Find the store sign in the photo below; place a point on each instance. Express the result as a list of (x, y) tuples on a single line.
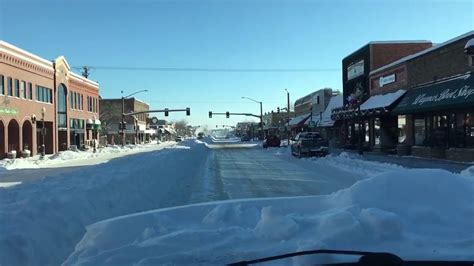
[(8, 111), (464, 92), (386, 80), (355, 70)]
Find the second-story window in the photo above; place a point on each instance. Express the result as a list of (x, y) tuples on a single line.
[(23, 89), (2, 88), (17, 88), (30, 91), (10, 86), (44, 94)]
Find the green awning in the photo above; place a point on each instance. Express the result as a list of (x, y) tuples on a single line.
[(457, 93)]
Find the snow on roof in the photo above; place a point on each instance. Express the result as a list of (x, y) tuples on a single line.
[(24, 55), (334, 102), (296, 120), (86, 80), (379, 101), (433, 48)]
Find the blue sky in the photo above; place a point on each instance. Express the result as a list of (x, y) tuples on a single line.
[(221, 34)]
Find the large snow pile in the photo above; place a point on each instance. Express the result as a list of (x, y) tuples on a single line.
[(468, 172), (355, 163), (416, 214), (75, 158), (41, 222)]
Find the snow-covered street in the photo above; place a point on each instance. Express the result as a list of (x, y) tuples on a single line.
[(44, 218)]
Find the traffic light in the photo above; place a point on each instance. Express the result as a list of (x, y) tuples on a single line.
[(227, 114), (188, 111), (210, 114), (167, 112), (278, 109), (123, 125)]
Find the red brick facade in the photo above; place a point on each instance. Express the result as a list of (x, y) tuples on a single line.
[(385, 53), (21, 107)]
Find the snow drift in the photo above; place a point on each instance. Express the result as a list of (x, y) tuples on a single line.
[(416, 214)]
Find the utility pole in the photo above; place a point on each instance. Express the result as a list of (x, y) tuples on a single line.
[(261, 121), (123, 120), (85, 71), (288, 110)]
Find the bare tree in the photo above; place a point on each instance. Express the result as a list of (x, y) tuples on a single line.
[(181, 127)]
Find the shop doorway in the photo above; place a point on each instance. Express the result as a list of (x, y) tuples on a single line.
[(2, 140), (14, 136), (27, 137)]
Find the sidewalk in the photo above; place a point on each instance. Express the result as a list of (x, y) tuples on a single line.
[(410, 161)]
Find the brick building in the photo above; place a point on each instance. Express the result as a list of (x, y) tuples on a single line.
[(275, 123), (136, 126), (308, 109), (355, 79), (36, 93), (432, 119)]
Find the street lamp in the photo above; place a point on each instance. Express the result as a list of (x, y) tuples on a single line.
[(123, 112), (288, 111), (43, 147), (95, 134), (261, 114)]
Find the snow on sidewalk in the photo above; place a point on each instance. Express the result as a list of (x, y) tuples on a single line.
[(80, 158), (414, 213)]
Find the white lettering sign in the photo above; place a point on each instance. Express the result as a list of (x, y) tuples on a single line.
[(464, 92), (386, 80), (355, 70)]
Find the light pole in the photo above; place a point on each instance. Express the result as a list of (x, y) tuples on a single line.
[(288, 111), (43, 147), (261, 114), (123, 113)]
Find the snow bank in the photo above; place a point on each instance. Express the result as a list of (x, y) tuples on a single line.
[(76, 158), (414, 213), (468, 172), (354, 163), (41, 222)]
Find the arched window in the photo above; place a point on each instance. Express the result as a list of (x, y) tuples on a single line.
[(62, 106)]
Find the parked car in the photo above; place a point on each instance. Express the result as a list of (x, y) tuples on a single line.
[(178, 139), (245, 138), (271, 141), (309, 144)]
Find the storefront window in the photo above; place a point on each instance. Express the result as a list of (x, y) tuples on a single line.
[(367, 131), (470, 130), (439, 133), (377, 131), (457, 130), (402, 129), (420, 130)]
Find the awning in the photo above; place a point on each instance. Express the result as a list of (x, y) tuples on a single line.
[(456, 93), (334, 102), (315, 120), (381, 101), (299, 120)]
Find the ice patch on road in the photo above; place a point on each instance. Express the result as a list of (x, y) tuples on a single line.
[(414, 213), (8, 184)]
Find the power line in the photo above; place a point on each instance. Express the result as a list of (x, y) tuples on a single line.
[(192, 69)]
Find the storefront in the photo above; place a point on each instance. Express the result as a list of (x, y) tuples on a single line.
[(297, 124), (437, 120), (379, 127)]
